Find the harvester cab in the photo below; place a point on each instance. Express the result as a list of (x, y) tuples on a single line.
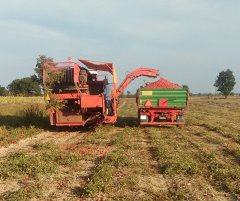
[(80, 95)]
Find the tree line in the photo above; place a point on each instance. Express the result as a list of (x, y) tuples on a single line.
[(32, 85), (27, 86)]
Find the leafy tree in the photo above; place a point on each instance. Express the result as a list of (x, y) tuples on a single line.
[(34, 78), (27, 86), (225, 82), (38, 69), (3, 91)]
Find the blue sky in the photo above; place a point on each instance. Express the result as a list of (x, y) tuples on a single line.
[(189, 41)]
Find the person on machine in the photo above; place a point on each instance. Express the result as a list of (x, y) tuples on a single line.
[(108, 97)]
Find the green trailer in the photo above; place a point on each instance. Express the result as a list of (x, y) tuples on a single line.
[(162, 106)]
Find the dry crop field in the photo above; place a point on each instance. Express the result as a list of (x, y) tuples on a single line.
[(198, 161)]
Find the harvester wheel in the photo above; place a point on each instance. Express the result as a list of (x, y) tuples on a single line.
[(180, 119)]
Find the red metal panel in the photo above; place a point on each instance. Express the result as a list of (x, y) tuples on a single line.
[(65, 119), (92, 101), (163, 102), (66, 96)]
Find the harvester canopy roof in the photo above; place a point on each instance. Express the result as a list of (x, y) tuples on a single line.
[(102, 66), (98, 65)]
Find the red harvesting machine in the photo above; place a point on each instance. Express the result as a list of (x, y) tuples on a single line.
[(80, 95)]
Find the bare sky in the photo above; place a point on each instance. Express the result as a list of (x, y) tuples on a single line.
[(189, 41)]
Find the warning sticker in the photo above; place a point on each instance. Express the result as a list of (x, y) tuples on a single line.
[(146, 93)]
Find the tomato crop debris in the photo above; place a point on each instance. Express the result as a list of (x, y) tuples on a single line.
[(94, 150)]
